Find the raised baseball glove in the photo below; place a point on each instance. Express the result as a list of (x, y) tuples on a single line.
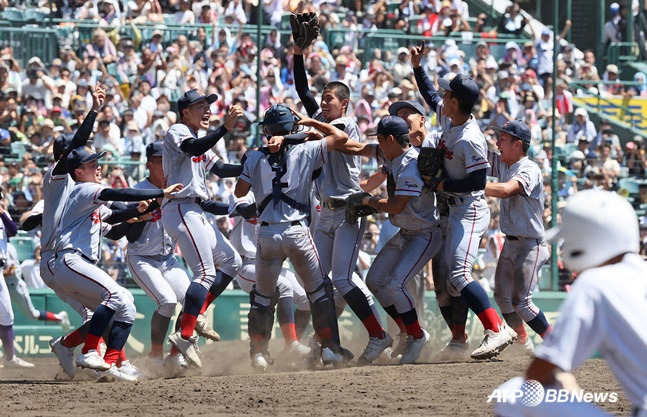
[(431, 166), (355, 208), (305, 29)]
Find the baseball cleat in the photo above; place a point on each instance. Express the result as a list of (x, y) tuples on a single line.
[(374, 349), (65, 321), (297, 349), (314, 358), (155, 367), (204, 329), (413, 348), (65, 356), (494, 342), (176, 366), (455, 350), (259, 362), (400, 342), (91, 360), (518, 349), (131, 370), (329, 357), (16, 363), (187, 347), (113, 373)]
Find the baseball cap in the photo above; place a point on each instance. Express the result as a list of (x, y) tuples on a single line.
[(402, 50), (278, 119), (612, 68), (192, 97), (391, 125), (516, 128), (546, 32), (154, 149), (4, 134), (580, 111), (614, 8), (407, 104), (481, 43), (80, 156), (463, 88)]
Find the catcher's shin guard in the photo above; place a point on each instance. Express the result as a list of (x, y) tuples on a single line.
[(324, 319), (260, 320)]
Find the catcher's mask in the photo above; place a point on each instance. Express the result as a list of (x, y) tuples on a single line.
[(279, 120)]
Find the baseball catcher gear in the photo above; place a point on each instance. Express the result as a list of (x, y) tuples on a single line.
[(431, 167), (355, 208), (305, 29)]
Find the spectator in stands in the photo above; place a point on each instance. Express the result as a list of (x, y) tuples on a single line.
[(456, 23), (640, 90), (101, 48), (581, 126), (611, 75), (185, 16), (611, 27), (635, 157), (512, 22)]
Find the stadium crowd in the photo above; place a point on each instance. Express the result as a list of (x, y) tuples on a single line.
[(143, 78)]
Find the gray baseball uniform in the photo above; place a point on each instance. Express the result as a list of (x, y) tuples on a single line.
[(56, 189), (153, 266), (417, 241), (78, 249), (6, 312), (524, 251), (183, 219), (243, 237)]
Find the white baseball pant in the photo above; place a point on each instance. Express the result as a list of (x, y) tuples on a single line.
[(202, 247), (47, 275), (468, 220), (20, 295), (91, 286), (404, 255), (162, 279), (287, 284), (6, 313)]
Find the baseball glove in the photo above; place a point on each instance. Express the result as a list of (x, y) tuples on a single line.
[(431, 167), (305, 29), (355, 208)]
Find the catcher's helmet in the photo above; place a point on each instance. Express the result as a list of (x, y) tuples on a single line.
[(279, 120), (596, 227)]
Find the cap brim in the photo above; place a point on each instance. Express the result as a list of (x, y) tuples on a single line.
[(94, 157), (553, 234), (395, 107), (444, 84)]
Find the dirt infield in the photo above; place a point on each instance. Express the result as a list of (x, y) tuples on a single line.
[(227, 386)]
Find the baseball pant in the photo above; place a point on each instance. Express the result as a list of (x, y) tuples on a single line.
[(20, 296), (202, 247), (514, 407), (516, 276), (467, 223), (404, 255), (287, 284), (47, 275), (440, 269), (6, 313), (163, 280), (91, 286), (338, 244)]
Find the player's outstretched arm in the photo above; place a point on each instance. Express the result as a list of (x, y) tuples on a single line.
[(503, 189), (393, 205), (335, 138), (196, 147), (132, 194), (84, 131), (32, 222), (352, 147), (10, 227), (425, 85), (475, 181), (301, 83), (242, 188), (375, 180), (118, 231), (217, 208), (226, 170)]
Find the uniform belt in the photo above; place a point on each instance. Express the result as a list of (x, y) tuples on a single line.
[(76, 252), (246, 258), (336, 203), (512, 237), (453, 201), (198, 200), (294, 223)]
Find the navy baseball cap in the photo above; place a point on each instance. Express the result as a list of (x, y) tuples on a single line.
[(80, 156), (154, 149), (192, 97), (61, 143), (463, 88), (392, 125), (278, 119), (406, 104), (516, 128)]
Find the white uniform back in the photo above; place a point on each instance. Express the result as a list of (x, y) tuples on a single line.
[(180, 167), (4, 240), (521, 214), (153, 241), (56, 189), (465, 149), (340, 174), (300, 161), (605, 311), (82, 226), (244, 234), (421, 212)]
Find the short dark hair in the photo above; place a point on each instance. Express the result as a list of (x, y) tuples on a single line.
[(525, 146), (465, 108), (338, 88), (403, 139)]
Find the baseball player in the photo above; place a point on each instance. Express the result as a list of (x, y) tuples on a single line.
[(243, 237), (602, 313), (282, 191), (57, 185), (414, 114), (338, 242), (465, 163), (77, 246), (413, 210), (6, 313), (186, 159), (521, 190)]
